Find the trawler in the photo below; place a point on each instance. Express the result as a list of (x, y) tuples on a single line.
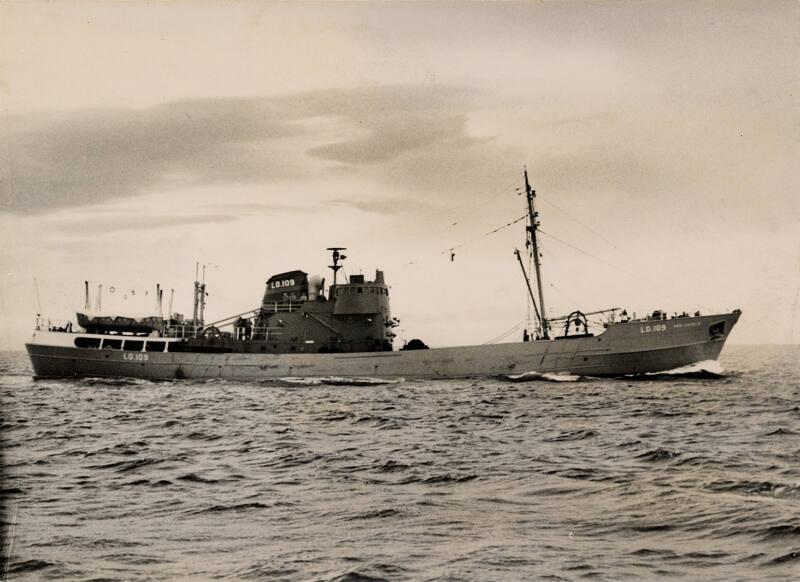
[(303, 329)]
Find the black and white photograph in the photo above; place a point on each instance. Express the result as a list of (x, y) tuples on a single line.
[(399, 291)]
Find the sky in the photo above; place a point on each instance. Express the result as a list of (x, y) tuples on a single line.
[(138, 139)]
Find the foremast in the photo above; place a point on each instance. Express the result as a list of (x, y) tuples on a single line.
[(532, 244)]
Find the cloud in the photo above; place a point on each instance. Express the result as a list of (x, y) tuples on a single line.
[(394, 137), (99, 225), (383, 205), (79, 158)]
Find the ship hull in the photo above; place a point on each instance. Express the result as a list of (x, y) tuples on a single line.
[(622, 349)]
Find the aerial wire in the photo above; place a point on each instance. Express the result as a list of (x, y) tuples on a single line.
[(38, 299)]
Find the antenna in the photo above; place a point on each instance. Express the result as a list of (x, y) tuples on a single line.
[(336, 258)]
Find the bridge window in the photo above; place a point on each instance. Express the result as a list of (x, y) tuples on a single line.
[(112, 344), (360, 290), (134, 345), (155, 346), (87, 342)]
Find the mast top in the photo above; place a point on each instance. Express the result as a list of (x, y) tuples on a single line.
[(336, 256)]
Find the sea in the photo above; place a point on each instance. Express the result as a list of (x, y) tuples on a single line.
[(693, 474)]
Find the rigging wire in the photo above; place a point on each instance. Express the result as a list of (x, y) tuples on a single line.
[(504, 335), (478, 204), (639, 276), (587, 253), (561, 293), (491, 232), (583, 224)]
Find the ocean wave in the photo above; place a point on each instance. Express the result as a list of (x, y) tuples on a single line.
[(29, 566), (658, 455), (755, 488), (391, 467), (705, 370), (781, 432), (113, 382), (375, 514), (446, 478), (123, 466), (235, 507), (290, 381), (357, 577), (267, 572), (194, 478), (781, 532), (381, 422), (342, 381), (572, 435), (785, 558)]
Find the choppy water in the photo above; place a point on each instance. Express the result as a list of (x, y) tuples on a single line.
[(693, 476)]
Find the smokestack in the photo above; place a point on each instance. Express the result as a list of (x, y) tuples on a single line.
[(171, 296), (98, 306), (158, 298), (86, 304), (314, 287)]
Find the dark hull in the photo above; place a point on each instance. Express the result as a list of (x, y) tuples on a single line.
[(629, 348)]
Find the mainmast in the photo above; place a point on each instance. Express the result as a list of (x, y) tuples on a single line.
[(533, 248)]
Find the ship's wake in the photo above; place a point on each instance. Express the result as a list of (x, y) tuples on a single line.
[(331, 381), (542, 377), (705, 370)]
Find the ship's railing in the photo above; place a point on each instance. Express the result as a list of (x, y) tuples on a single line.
[(276, 307), (240, 333), (662, 316), (189, 330), (50, 325), (262, 332)]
